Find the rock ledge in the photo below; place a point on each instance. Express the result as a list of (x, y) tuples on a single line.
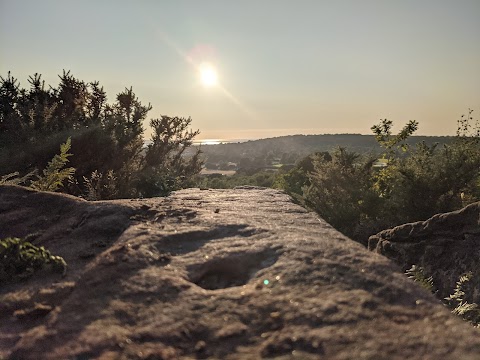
[(218, 274)]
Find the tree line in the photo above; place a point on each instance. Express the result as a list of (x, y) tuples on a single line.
[(105, 141)]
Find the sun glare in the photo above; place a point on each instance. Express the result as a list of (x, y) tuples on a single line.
[(208, 75)]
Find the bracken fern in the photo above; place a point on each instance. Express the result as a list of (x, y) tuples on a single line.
[(55, 173), (417, 274), (456, 302), (461, 307)]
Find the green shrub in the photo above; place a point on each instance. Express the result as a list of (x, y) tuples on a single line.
[(341, 191), (19, 259)]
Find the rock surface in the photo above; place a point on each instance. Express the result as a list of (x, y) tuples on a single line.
[(446, 246), (220, 274)]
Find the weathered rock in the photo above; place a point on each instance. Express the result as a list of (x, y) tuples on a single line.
[(220, 274), (446, 246)]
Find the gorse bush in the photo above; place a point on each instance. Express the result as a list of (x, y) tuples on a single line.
[(165, 166), (426, 180), (19, 259), (297, 179), (341, 191), (106, 140)]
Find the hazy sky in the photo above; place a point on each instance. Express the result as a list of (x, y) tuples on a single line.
[(285, 67)]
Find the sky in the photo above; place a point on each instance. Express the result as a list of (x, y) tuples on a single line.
[(283, 67)]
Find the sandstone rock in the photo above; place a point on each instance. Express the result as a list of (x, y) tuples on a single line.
[(173, 278), (446, 246)]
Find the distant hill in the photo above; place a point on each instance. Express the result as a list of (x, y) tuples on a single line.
[(296, 146)]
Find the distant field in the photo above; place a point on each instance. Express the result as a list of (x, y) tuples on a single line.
[(222, 172)]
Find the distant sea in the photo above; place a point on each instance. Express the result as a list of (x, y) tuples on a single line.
[(210, 141), (218, 141)]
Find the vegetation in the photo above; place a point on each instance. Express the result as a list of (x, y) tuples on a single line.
[(15, 179), (165, 166), (458, 301), (105, 140), (55, 173), (219, 181), (287, 150), (417, 274), (53, 177), (360, 198), (19, 259)]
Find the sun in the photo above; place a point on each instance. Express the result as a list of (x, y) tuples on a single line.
[(208, 75)]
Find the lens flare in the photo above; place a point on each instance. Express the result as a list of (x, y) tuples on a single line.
[(189, 58)]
